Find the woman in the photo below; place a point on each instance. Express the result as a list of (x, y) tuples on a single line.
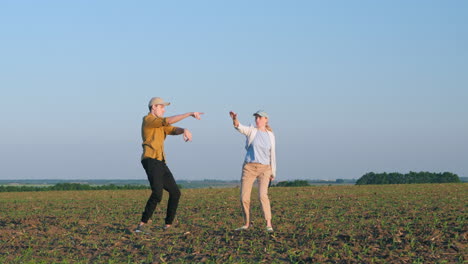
[(259, 163)]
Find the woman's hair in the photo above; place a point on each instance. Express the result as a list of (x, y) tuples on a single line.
[(267, 126)]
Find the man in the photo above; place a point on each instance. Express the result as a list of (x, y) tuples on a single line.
[(154, 130)]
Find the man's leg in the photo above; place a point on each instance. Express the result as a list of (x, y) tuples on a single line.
[(174, 195), (155, 172)]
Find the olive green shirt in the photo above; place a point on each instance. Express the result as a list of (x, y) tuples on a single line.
[(153, 132)]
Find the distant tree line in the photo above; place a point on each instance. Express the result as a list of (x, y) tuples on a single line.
[(411, 177), (296, 183), (71, 187)]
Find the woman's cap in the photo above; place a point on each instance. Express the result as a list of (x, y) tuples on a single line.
[(156, 101), (261, 113)]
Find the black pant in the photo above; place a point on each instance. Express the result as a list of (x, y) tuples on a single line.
[(160, 177)]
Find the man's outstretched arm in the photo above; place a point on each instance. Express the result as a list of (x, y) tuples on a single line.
[(177, 118)]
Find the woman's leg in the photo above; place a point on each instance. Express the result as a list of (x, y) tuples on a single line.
[(248, 178), (263, 182)]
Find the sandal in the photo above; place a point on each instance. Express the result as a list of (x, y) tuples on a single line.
[(241, 228)]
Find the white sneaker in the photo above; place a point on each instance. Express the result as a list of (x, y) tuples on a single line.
[(142, 229)]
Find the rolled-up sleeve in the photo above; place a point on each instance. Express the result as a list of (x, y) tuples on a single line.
[(170, 130)]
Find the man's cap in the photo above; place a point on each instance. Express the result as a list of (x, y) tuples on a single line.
[(261, 113), (156, 101)]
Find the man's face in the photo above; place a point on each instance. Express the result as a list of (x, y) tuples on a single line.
[(160, 110)]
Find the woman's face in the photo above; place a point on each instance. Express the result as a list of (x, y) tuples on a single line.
[(260, 121)]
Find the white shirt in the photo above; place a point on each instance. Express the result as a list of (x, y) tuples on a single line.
[(259, 150), (250, 133)]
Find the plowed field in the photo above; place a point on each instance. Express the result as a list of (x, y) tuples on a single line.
[(327, 224)]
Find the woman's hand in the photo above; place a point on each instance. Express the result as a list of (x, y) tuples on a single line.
[(235, 122), (233, 115), (187, 135)]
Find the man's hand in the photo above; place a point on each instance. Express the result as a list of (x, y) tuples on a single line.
[(187, 135), (197, 115)]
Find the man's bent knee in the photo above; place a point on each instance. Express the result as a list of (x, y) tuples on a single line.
[(156, 197), (175, 194)]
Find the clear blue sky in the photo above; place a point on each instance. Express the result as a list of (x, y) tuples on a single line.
[(351, 86)]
